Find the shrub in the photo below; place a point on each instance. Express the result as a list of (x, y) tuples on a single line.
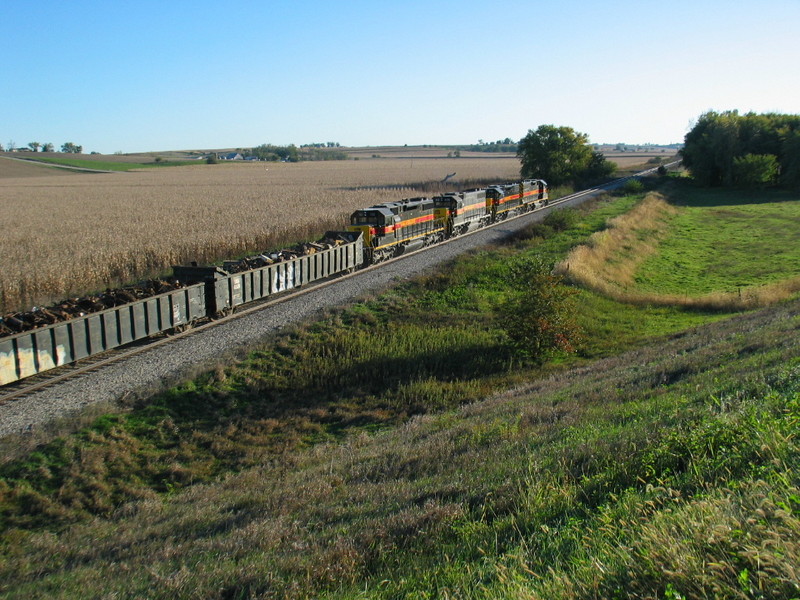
[(561, 220), (538, 318), (631, 187)]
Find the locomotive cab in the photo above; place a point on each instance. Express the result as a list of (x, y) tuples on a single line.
[(371, 222), (445, 209)]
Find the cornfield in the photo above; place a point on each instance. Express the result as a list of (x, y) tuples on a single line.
[(73, 234)]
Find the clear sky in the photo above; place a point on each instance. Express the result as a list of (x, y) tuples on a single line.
[(130, 76)]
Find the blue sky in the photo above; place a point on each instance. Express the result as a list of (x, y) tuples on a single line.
[(130, 76)]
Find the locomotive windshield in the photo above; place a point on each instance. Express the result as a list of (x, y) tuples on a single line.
[(364, 217)]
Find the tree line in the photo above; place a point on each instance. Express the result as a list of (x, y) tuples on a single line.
[(506, 145), (292, 153), (67, 147), (750, 150)]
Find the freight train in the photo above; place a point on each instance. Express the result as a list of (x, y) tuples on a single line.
[(375, 234)]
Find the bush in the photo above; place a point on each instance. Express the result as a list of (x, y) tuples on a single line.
[(561, 220), (631, 187), (539, 317)]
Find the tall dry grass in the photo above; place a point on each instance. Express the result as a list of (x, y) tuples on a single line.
[(609, 262), (78, 233)]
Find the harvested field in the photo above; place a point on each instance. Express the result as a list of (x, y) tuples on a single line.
[(78, 233), (625, 160)]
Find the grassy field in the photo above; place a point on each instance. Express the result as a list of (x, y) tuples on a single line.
[(113, 165), (721, 244), (696, 248), (399, 449)]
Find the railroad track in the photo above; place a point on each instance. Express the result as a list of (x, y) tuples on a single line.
[(30, 386)]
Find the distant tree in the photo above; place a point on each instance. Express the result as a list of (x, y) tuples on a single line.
[(48, 147), (559, 155), (70, 148), (539, 317), (12, 145), (1, 148), (34, 146)]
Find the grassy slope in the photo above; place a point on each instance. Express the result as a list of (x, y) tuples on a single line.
[(527, 492), (722, 242)]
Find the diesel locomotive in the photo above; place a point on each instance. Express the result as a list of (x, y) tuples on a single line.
[(392, 228)]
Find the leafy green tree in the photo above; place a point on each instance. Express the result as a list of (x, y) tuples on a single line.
[(34, 146), (48, 147), (274, 153), (598, 168), (559, 155), (755, 170), (538, 317)]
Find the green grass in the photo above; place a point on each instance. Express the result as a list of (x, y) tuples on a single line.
[(115, 166), (673, 468), (722, 241), (377, 453)]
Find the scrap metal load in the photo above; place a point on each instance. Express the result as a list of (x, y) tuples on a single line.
[(250, 279), (331, 240), (42, 339), (72, 308)]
